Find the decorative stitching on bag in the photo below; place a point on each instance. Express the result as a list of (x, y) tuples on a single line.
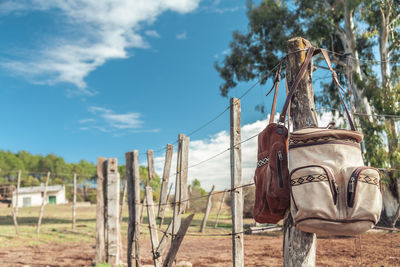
[(369, 180), (319, 139), (308, 179), (262, 162)]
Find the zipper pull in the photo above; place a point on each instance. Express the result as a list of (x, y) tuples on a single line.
[(279, 155), (351, 185), (336, 187)]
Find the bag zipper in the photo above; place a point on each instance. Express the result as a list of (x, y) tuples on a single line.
[(280, 169), (351, 187)]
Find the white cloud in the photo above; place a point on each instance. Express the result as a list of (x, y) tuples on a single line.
[(152, 33), (223, 53), (99, 30), (181, 36), (217, 170), (86, 120), (227, 9), (117, 121), (216, 7)]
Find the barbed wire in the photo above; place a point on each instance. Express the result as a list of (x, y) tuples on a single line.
[(247, 231), (362, 114), (358, 59), (199, 197), (269, 72)]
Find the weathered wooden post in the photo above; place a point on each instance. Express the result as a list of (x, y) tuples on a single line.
[(176, 242), (16, 202), (121, 209), (152, 226), (207, 211), (113, 191), (181, 181), (164, 183), (74, 206), (100, 211), (43, 203), (219, 210), (133, 180), (185, 172), (150, 164), (236, 182), (299, 248)]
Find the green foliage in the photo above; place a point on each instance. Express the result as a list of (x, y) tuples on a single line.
[(56, 181), (29, 181), (197, 187), (197, 193), (37, 165), (91, 196), (358, 26), (155, 182)]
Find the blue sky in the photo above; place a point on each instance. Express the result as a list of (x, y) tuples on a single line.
[(74, 85), (89, 78)]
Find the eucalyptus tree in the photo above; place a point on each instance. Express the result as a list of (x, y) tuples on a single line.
[(363, 39)]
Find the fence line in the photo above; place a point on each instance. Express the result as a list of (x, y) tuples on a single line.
[(362, 114), (248, 231), (200, 197)]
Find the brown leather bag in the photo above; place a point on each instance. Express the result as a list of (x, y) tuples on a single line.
[(272, 194)]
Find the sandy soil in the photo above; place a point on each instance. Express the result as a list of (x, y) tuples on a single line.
[(377, 250)]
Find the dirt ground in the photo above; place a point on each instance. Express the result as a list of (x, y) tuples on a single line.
[(379, 249)]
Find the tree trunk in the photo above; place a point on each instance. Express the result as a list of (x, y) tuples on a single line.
[(299, 248), (386, 86), (348, 39)]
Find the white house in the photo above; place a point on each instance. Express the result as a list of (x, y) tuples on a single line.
[(33, 196)]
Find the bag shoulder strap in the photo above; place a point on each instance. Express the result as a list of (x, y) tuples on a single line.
[(338, 86), (276, 86), (297, 80)]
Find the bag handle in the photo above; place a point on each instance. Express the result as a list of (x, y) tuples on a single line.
[(338, 86), (293, 88), (276, 86)]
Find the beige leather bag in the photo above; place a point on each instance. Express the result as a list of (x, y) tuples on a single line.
[(332, 191)]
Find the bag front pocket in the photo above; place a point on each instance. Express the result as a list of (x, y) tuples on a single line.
[(314, 193), (364, 197)]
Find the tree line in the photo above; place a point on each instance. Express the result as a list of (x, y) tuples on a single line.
[(35, 167)]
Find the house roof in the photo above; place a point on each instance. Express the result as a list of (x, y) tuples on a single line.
[(36, 189)]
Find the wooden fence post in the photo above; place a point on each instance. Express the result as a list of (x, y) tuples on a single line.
[(176, 218), (184, 172), (176, 242), (133, 182), (150, 164), (219, 210), (16, 202), (208, 209), (164, 183), (113, 191), (74, 206), (152, 226), (43, 203), (299, 248), (121, 210), (162, 245), (100, 212), (236, 182)]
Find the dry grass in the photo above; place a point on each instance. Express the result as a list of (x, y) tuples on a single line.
[(57, 225)]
